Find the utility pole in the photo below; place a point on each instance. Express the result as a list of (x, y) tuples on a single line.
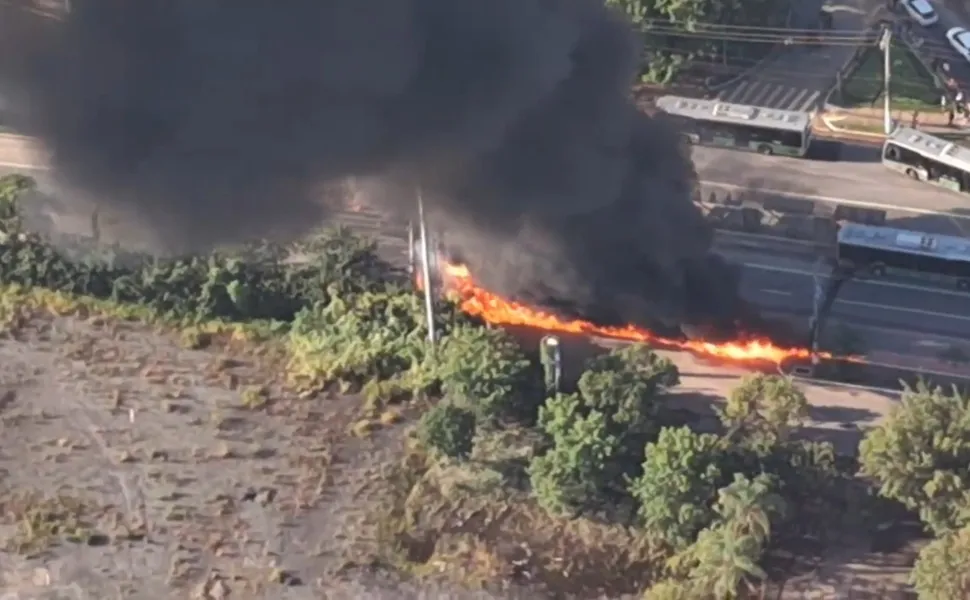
[(426, 269), (412, 251), (885, 44)]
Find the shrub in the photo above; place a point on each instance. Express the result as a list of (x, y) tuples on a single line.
[(449, 429), (573, 473), (486, 369)]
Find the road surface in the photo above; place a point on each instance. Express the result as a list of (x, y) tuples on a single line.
[(786, 284), (816, 186), (800, 77), (936, 45)]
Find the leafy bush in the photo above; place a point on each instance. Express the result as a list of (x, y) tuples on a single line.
[(942, 570), (486, 369), (764, 409), (449, 429), (723, 562), (254, 283), (626, 386), (682, 472), (572, 474), (920, 456), (369, 336)]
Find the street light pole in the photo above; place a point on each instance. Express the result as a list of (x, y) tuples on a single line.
[(426, 269), (885, 45)]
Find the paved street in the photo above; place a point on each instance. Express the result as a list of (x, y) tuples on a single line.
[(798, 79), (820, 186), (787, 285), (801, 75)]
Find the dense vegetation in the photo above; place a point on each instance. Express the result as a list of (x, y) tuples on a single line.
[(622, 491)]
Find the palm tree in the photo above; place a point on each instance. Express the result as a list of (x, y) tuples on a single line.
[(749, 505), (726, 555)]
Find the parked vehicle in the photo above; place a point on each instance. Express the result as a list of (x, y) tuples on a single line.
[(921, 11), (959, 38)]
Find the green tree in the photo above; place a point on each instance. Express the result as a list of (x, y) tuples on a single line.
[(725, 558), (764, 409), (682, 472), (449, 429), (942, 570), (626, 385), (920, 456), (486, 369), (572, 474)]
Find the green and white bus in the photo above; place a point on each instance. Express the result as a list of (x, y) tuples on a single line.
[(928, 158), (881, 251), (753, 128)]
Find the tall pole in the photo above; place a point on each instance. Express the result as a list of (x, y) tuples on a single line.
[(885, 44), (412, 254), (426, 269)]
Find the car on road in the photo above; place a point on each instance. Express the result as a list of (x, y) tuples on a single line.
[(921, 11), (960, 40)]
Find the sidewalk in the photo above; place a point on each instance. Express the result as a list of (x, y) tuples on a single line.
[(866, 125)]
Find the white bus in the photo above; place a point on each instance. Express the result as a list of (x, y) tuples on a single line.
[(764, 130), (883, 251), (928, 158)]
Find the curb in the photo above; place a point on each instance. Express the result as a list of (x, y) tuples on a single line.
[(827, 121), (824, 129)]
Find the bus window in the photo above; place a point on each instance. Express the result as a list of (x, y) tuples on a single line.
[(902, 155), (791, 139)]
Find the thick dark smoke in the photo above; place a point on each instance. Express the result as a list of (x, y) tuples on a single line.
[(215, 121)]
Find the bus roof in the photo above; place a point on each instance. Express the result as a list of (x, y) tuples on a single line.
[(741, 114), (901, 240), (942, 150)]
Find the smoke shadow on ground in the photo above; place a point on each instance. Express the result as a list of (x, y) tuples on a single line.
[(841, 415), (829, 150)]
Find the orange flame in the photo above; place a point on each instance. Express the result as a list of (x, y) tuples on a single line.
[(494, 309)]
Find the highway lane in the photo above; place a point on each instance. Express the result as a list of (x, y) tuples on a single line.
[(787, 286), (864, 183)]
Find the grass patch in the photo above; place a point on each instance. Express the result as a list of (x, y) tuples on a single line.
[(912, 86), (40, 523), (477, 524)]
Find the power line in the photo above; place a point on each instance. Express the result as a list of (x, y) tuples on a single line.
[(651, 24)]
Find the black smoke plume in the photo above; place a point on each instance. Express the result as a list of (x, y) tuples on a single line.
[(216, 121)]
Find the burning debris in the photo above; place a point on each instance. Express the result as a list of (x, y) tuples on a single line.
[(495, 309), (217, 121)]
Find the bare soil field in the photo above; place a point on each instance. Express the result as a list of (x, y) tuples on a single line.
[(133, 467)]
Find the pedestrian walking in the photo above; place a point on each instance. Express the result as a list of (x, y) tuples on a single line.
[(915, 122)]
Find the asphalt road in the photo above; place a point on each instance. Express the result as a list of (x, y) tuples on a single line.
[(787, 285), (936, 44), (799, 77), (817, 186)]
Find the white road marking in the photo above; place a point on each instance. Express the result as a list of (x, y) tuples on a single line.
[(834, 200), (906, 309), (878, 282), (873, 305)]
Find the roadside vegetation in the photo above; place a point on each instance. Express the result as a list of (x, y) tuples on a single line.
[(912, 86), (603, 485), (669, 54)]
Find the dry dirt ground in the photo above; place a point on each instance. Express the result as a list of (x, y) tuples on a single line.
[(131, 467)]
